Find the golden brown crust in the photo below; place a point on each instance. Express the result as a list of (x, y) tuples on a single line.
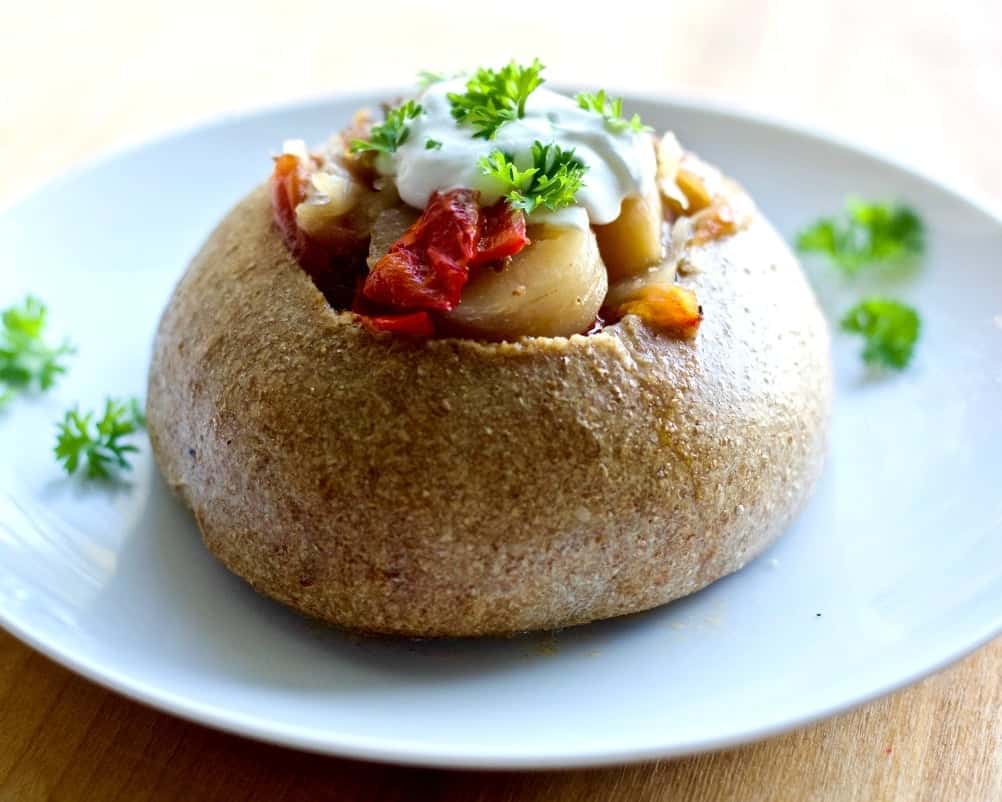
[(460, 488)]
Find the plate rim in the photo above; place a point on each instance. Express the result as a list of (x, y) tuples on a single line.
[(410, 752), (415, 753)]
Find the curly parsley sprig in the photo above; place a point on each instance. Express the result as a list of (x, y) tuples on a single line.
[(392, 132), (611, 110), (494, 97), (552, 182), (867, 233), (97, 446), (889, 328), (27, 361)]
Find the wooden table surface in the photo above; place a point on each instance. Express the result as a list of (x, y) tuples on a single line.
[(921, 79)]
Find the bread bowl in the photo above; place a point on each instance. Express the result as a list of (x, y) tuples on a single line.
[(504, 466)]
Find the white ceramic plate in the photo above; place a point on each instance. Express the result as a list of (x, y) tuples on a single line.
[(894, 570)]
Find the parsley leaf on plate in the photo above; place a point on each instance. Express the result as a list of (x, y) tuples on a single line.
[(889, 328), (391, 133), (26, 360), (611, 110), (494, 97), (428, 77), (96, 445), (867, 233), (552, 182)]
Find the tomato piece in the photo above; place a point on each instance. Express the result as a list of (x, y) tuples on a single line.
[(502, 234), (413, 324)]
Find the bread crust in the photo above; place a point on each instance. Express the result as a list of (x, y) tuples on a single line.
[(454, 488)]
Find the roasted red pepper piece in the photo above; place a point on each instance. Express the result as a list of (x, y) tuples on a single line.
[(427, 267), (413, 324), (502, 234), (286, 194), (669, 307)]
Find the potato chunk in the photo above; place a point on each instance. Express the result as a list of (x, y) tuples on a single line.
[(552, 288), (633, 241), (330, 197)]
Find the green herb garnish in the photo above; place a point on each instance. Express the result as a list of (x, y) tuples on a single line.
[(867, 233), (426, 78), (552, 182), (494, 97), (391, 133), (889, 328), (432, 144), (26, 360), (97, 447), (611, 110)]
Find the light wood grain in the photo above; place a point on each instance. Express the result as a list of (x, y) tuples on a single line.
[(921, 79)]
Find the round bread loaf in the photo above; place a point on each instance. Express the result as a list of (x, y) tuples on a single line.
[(451, 487)]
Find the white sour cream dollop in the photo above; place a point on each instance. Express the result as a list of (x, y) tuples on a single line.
[(619, 164)]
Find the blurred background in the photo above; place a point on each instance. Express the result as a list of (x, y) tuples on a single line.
[(918, 79)]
